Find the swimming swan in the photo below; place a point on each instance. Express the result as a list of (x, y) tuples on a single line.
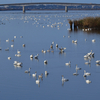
[(9, 58), (17, 63), (37, 81), (88, 81), (98, 61), (31, 56), (77, 68), (46, 73), (18, 51), (45, 61), (34, 75), (64, 79), (36, 56), (86, 73), (41, 76), (67, 64), (28, 71)]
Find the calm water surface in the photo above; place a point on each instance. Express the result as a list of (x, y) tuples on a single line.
[(39, 29)]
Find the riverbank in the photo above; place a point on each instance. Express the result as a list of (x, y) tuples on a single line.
[(88, 22)]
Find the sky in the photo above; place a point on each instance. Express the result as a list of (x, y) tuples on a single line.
[(67, 1)]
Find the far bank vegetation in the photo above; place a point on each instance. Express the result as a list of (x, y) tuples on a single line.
[(88, 22)]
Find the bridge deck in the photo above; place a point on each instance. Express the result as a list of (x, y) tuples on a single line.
[(44, 3)]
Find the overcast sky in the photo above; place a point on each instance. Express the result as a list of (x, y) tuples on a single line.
[(69, 1)]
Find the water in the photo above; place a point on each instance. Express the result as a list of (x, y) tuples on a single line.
[(15, 84)]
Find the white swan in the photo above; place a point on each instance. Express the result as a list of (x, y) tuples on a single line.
[(86, 73), (44, 51), (67, 64), (88, 81), (77, 68), (18, 51), (14, 36), (51, 46), (87, 63), (7, 40), (37, 81), (45, 61), (12, 45), (86, 56), (15, 63), (23, 45), (62, 49), (36, 56), (75, 41), (28, 71), (69, 36), (85, 39), (34, 75), (46, 73), (93, 40), (17, 55), (41, 76), (53, 42), (57, 45), (19, 63), (98, 61), (64, 79), (9, 58), (75, 73), (31, 56), (90, 54)]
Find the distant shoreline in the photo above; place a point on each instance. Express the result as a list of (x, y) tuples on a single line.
[(42, 9)]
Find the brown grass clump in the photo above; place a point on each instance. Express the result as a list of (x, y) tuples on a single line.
[(89, 22)]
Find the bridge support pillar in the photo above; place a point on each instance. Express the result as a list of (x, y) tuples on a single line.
[(66, 9), (23, 9)]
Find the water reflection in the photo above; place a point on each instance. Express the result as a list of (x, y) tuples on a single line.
[(31, 58), (91, 32), (97, 64)]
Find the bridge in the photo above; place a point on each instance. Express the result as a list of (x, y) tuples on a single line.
[(49, 3)]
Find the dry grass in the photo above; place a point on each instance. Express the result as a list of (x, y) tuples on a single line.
[(89, 22)]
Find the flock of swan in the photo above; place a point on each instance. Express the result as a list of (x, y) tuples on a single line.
[(62, 50), (87, 56), (20, 64)]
